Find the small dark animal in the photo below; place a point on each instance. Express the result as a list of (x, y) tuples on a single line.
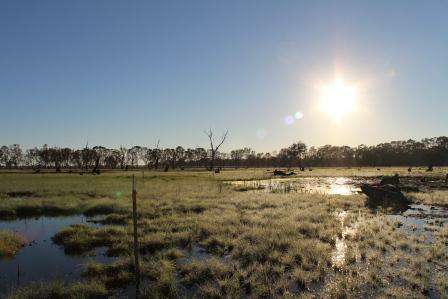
[(310, 169), (430, 168), (409, 169), (378, 169), (217, 170), (302, 168)]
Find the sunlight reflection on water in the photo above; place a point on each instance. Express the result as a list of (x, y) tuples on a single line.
[(319, 185)]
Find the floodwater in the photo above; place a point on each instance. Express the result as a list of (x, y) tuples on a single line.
[(418, 220), (316, 185), (41, 259)]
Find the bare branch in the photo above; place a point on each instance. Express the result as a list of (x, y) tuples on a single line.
[(223, 138), (210, 136)]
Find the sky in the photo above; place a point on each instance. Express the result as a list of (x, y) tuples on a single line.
[(118, 73)]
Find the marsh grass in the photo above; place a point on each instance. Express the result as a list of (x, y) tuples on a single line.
[(59, 290), (256, 244), (439, 198), (10, 243)]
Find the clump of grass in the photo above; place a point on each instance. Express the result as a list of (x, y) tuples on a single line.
[(162, 274), (80, 238), (118, 274), (200, 272), (57, 289), (119, 219), (10, 243), (438, 198)]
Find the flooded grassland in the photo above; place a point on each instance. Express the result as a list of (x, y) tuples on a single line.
[(208, 235)]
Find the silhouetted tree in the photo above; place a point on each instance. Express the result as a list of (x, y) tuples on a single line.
[(214, 147)]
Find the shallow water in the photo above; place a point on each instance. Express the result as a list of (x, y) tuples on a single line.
[(41, 259), (415, 221), (316, 185), (419, 218)]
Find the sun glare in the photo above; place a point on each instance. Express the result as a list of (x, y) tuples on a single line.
[(337, 99)]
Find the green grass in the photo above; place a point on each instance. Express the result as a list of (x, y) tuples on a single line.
[(252, 244)]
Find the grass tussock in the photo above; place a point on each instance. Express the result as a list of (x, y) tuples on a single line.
[(10, 243)]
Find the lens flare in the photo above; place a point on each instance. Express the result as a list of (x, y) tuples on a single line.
[(337, 99), (289, 120), (298, 115)]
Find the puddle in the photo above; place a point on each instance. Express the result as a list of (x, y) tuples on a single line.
[(194, 253), (422, 220), (41, 259), (319, 185)]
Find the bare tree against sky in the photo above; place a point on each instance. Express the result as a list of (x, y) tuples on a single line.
[(214, 148)]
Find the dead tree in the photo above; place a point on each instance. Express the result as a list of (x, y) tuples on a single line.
[(214, 148)]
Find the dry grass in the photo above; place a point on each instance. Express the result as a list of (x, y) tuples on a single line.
[(439, 198), (251, 244), (10, 243)]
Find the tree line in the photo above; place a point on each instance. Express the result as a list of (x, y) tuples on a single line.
[(428, 151)]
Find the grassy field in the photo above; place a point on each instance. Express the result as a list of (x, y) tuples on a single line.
[(200, 237)]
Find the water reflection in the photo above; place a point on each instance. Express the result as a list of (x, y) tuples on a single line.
[(339, 254), (319, 185), (41, 259)]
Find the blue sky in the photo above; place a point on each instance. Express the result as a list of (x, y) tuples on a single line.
[(131, 72)]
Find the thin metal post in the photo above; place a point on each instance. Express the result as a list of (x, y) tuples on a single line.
[(134, 218)]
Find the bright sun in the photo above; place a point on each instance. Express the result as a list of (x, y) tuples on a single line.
[(337, 99)]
